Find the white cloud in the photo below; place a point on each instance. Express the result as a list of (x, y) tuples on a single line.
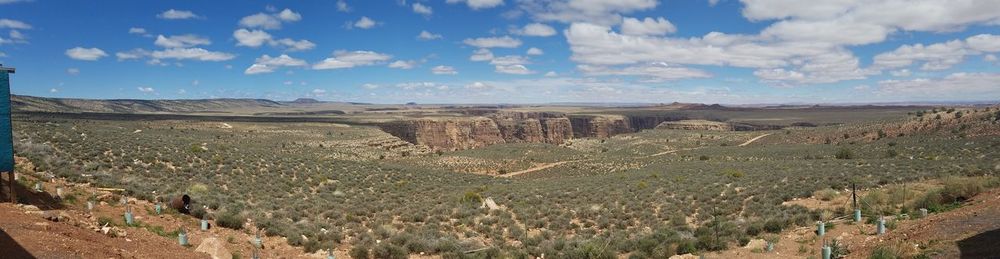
[(535, 52), (425, 35), (87, 54), (73, 71), (132, 54), (901, 73), (14, 24), (513, 69), (510, 60), (537, 29), (12, 1), (481, 55), (421, 85), (938, 56), (403, 64), (648, 26), (422, 9), (262, 21), (478, 4), (318, 92), (551, 74), (345, 59), (370, 86), (987, 58), (342, 6), (293, 45), (444, 70), (603, 12), (268, 64), (249, 38), (289, 16), (493, 42), (146, 89), (478, 86), (978, 86), (198, 54), (173, 14), (181, 41), (364, 23), (137, 30), (984, 42), (652, 72), (53, 90)]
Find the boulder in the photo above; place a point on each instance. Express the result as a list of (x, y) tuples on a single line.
[(215, 248)]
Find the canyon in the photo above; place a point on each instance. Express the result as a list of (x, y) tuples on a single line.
[(488, 127)]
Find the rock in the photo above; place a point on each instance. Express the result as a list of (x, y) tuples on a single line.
[(215, 248), (54, 216)]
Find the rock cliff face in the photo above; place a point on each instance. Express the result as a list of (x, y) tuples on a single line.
[(457, 133), (600, 126), (491, 126), (500, 127)]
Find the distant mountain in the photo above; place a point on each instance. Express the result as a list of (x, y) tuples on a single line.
[(22, 103), (305, 101)]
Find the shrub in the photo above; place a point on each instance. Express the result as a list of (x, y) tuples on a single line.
[(359, 251), (230, 220), (885, 252), (844, 153), (389, 251), (826, 194)]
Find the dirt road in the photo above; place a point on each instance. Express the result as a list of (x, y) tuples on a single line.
[(754, 139)]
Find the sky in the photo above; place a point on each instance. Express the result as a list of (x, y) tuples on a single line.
[(507, 51)]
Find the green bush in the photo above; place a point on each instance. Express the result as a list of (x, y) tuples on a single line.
[(359, 251), (230, 220), (387, 250), (844, 153)]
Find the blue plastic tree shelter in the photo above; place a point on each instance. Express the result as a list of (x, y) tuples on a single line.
[(6, 134)]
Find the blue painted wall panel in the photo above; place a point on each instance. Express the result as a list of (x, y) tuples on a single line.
[(6, 143)]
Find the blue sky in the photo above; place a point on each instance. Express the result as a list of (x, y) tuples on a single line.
[(507, 51)]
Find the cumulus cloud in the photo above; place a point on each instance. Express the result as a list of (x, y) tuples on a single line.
[(14, 24), (535, 52), (173, 14), (478, 4), (537, 29), (481, 55), (403, 64), (256, 38), (348, 59), (979, 86), (648, 26), (343, 7), (86, 54), (493, 42), (249, 38), (652, 72), (146, 89), (262, 21), (363, 23), (603, 12), (425, 35), (289, 16), (197, 54), (268, 64), (444, 70), (181, 41), (422, 9), (938, 56)]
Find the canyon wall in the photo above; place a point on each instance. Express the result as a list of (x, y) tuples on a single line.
[(487, 127)]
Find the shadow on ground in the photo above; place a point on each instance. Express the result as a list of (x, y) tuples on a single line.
[(983, 245), (10, 247)]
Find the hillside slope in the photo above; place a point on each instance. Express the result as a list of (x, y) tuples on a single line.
[(21, 103)]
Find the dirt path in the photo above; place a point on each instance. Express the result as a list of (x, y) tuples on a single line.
[(541, 167), (754, 139)]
